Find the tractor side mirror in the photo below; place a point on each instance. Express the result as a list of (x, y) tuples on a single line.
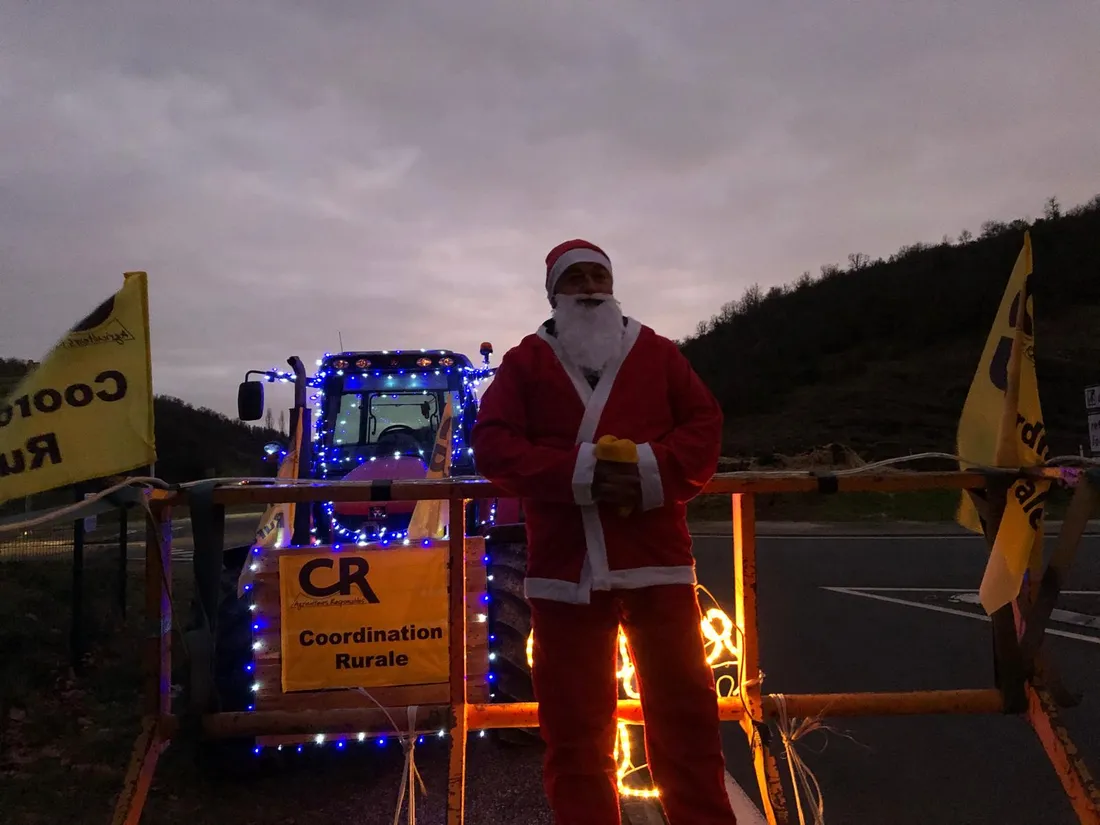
[(250, 401)]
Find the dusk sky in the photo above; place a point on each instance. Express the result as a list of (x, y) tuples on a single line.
[(398, 170)]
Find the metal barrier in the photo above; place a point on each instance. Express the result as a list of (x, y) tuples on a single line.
[(60, 541), (55, 540), (43, 542), (1024, 681)]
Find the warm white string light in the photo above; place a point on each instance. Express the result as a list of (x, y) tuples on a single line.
[(721, 650)]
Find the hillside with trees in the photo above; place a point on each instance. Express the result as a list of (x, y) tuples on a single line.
[(878, 355), (198, 442)]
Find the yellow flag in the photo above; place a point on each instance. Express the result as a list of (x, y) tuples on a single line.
[(1002, 425), (429, 519), (87, 411), (277, 523)]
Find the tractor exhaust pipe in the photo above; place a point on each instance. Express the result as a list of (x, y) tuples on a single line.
[(304, 511)]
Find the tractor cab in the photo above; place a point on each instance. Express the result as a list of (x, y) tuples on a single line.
[(378, 405), (375, 416), (378, 415)]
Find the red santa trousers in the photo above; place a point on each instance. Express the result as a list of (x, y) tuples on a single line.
[(575, 648)]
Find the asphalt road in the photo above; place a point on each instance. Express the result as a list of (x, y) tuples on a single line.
[(863, 613), (916, 769), (240, 528)]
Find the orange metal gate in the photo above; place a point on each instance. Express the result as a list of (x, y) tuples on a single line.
[(1025, 683)]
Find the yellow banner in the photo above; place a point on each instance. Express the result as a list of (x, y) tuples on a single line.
[(277, 523), (430, 518), (1002, 425), (363, 617), (87, 411)]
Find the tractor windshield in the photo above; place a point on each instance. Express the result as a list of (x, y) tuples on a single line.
[(382, 423)]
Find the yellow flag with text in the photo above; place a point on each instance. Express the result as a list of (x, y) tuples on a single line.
[(87, 411), (1002, 425), (429, 519)]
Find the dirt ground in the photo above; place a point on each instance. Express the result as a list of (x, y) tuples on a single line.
[(65, 740)]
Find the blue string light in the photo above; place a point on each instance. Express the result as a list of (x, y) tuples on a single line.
[(321, 739), (326, 463)]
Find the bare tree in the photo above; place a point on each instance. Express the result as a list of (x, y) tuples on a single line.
[(752, 298), (726, 313), (993, 228), (858, 260), (1052, 210), (966, 236), (908, 250)]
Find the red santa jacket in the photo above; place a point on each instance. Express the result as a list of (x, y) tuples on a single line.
[(535, 438)]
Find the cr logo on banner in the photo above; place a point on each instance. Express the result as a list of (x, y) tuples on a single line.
[(352, 571)]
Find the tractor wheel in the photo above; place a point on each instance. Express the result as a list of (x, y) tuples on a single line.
[(509, 625), (233, 676)]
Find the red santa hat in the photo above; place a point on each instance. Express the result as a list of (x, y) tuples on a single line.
[(564, 255)]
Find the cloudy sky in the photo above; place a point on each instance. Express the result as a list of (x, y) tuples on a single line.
[(397, 169)]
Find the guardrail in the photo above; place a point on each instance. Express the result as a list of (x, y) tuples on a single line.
[(1024, 681)]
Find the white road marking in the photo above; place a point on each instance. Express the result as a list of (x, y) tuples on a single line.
[(743, 808), (959, 590), (1057, 614), (827, 537), (866, 537), (867, 594)]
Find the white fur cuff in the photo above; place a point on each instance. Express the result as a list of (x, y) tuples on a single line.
[(584, 473), (653, 493)]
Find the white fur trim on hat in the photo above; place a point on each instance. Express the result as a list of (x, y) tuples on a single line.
[(580, 255)]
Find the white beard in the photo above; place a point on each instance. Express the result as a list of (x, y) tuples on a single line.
[(590, 336)]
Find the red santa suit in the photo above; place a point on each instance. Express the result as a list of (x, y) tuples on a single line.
[(591, 568)]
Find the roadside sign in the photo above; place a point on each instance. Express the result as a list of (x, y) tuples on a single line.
[(1092, 398), (1094, 433)]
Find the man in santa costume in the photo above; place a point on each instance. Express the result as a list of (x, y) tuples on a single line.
[(608, 541)]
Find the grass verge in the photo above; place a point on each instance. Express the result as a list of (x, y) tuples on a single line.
[(65, 741)]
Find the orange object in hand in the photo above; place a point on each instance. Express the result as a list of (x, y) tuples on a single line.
[(619, 451)]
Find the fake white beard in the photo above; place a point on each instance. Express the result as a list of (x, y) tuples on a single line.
[(590, 336)]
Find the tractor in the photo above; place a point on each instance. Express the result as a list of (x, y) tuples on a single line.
[(378, 418)]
